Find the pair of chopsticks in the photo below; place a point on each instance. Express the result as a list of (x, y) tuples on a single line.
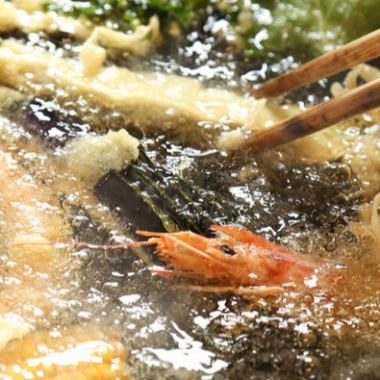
[(354, 102)]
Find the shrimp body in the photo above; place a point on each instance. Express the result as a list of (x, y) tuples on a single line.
[(234, 258)]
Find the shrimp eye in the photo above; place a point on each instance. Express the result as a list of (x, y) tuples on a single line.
[(227, 250)]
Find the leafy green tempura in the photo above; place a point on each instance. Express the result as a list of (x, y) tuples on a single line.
[(127, 14), (304, 28)]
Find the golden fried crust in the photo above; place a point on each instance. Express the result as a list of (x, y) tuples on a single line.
[(69, 353)]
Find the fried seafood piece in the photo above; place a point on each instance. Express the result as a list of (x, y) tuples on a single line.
[(75, 352), (29, 222), (237, 261)]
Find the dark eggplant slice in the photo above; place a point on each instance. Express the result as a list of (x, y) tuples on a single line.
[(53, 124), (169, 195), (150, 198), (131, 208)]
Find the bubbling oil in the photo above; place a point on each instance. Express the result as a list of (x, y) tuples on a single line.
[(104, 310), (92, 300)]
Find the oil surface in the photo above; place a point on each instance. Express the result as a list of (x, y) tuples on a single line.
[(110, 297)]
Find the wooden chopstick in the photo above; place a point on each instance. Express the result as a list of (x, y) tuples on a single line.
[(358, 51), (354, 102)]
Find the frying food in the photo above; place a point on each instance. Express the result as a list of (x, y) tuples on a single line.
[(31, 220), (235, 258), (79, 352), (118, 117)]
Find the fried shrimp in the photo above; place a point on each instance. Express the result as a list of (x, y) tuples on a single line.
[(236, 260)]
